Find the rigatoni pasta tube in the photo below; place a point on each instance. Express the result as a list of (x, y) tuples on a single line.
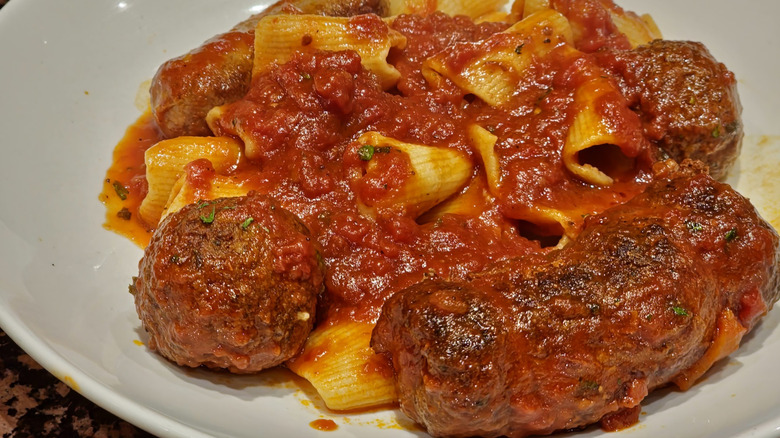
[(638, 29), (590, 128), (491, 69), (406, 176), (339, 362), (165, 163), (471, 202), (185, 192), (470, 8), (484, 142), (278, 37)]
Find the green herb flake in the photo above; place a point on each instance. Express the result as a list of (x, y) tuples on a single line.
[(519, 49), (174, 259), (201, 203), (210, 218), (594, 308), (589, 385), (649, 317), (366, 152), (731, 235), (716, 132), (694, 226), (679, 311), (305, 76), (247, 222), (120, 190)]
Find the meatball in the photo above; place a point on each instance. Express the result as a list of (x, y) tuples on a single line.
[(687, 100), (230, 283)]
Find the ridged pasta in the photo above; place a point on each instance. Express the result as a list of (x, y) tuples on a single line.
[(185, 193), (470, 8), (339, 362), (436, 174), (551, 218), (165, 163), (278, 37), (493, 74), (533, 6), (638, 29), (484, 142), (589, 129), (471, 202)]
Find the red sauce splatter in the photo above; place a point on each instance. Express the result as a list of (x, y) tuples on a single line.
[(324, 425)]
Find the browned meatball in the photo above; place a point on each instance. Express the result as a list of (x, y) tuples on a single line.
[(651, 292), (687, 100), (230, 283)]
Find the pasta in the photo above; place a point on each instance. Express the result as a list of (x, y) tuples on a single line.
[(433, 174), (165, 164), (277, 37), (419, 146), (470, 8), (485, 143), (340, 364), (590, 129), (492, 74)]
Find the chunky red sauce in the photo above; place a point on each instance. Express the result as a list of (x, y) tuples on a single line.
[(303, 120)]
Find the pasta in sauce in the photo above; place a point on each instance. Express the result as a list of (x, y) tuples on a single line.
[(413, 147)]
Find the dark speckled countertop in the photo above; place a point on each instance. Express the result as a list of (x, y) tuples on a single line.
[(33, 403)]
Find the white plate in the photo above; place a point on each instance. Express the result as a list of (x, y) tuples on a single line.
[(69, 72)]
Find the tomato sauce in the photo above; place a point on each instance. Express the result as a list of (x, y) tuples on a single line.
[(125, 184), (300, 123)]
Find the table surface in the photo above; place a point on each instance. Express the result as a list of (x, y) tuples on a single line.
[(33, 403)]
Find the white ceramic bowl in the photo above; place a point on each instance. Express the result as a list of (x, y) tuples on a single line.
[(69, 72)]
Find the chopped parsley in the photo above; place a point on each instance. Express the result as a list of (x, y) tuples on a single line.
[(247, 222), (305, 76), (716, 132), (519, 49), (694, 226), (210, 218), (120, 190), (679, 311), (589, 385), (366, 152), (731, 235)]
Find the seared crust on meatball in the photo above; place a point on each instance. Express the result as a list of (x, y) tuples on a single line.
[(648, 294), (230, 283), (687, 100)]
